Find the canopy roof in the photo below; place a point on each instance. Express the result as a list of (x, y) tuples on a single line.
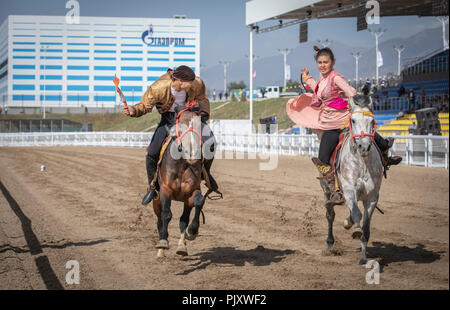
[(262, 10)]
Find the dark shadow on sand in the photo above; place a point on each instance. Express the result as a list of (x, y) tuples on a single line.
[(258, 256), (391, 253)]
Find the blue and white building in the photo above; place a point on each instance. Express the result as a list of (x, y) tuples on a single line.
[(46, 62)]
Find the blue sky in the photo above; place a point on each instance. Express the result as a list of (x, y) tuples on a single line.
[(224, 35)]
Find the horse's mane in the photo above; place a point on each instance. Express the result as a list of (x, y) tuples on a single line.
[(362, 101)]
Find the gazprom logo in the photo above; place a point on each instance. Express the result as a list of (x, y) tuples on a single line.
[(149, 39)]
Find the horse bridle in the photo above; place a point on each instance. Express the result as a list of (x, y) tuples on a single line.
[(189, 106), (363, 134)]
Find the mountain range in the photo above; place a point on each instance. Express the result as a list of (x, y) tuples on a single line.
[(269, 70)]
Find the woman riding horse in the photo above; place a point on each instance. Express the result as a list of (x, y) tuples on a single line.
[(170, 93), (327, 114)]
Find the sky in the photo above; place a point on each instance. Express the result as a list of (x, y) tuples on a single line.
[(223, 34)]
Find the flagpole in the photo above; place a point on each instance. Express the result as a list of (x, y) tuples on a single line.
[(285, 52), (377, 33)]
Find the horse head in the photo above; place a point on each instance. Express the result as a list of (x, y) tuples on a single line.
[(362, 124), (188, 134)]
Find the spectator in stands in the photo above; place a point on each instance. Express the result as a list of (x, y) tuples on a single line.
[(422, 96), (401, 91), (434, 103), (6, 110), (412, 101), (413, 126), (399, 115), (365, 90), (444, 107)]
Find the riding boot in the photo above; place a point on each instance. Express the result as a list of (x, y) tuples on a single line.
[(151, 165), (208, 163), (393, 160), (328, 177)]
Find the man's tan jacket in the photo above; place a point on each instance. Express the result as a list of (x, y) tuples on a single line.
[(159, 94)]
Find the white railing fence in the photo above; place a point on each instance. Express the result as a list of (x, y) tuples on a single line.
[(428, 151)]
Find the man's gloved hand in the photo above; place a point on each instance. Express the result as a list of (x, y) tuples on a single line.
[(204, 117), (159, 107)]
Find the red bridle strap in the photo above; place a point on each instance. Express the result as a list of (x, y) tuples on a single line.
[(189, 106), (363, 134)]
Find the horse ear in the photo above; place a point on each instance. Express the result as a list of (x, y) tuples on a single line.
[(370, 103), (351, 102)]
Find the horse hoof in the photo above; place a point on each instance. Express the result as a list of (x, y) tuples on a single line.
[(163, 244), (160, 253), (362, 261), (348, 224), (357, 233), (190, 237), (181, 250)]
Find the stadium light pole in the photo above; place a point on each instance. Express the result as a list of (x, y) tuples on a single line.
[(443, 20), (251, 27), (357, 55), (225, 65), (399, 50), (285, 52), (324, 43), (377, 33)]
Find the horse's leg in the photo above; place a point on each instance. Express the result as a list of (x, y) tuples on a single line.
[(184, 221), (348, 222), (198, 202), (157, 209), (330, 218), (166, 216), (352, 203), (369, 207)]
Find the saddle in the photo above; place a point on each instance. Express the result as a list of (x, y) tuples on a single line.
[(334, 162)]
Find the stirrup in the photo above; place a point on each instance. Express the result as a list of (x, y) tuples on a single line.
[(148, 197)]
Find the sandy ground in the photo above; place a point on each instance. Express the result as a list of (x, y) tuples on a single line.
[(268, 232)]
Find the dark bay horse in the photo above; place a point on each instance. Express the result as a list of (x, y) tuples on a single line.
[(179, 177)]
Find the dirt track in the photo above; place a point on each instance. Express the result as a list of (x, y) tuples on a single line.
[(268, 233)]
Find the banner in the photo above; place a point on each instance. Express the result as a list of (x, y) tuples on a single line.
[(288, 72), (379, 59)]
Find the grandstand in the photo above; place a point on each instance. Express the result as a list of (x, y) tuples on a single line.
[(427, 77)]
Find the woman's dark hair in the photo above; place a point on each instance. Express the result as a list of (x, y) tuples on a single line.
[(323, 52)]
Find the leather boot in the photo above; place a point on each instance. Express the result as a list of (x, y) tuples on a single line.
[(208, 163), (393, 160), (329, 178), (151, 165)]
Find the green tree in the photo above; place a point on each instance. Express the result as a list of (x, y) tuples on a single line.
[(235, 85)]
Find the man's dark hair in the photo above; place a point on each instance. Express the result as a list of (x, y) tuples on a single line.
[(182, 73)]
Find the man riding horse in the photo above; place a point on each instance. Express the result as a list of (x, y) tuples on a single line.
[(169, 94)]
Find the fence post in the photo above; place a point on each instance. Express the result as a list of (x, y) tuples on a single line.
[(426, 151), (430, 146), (446, 154)]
